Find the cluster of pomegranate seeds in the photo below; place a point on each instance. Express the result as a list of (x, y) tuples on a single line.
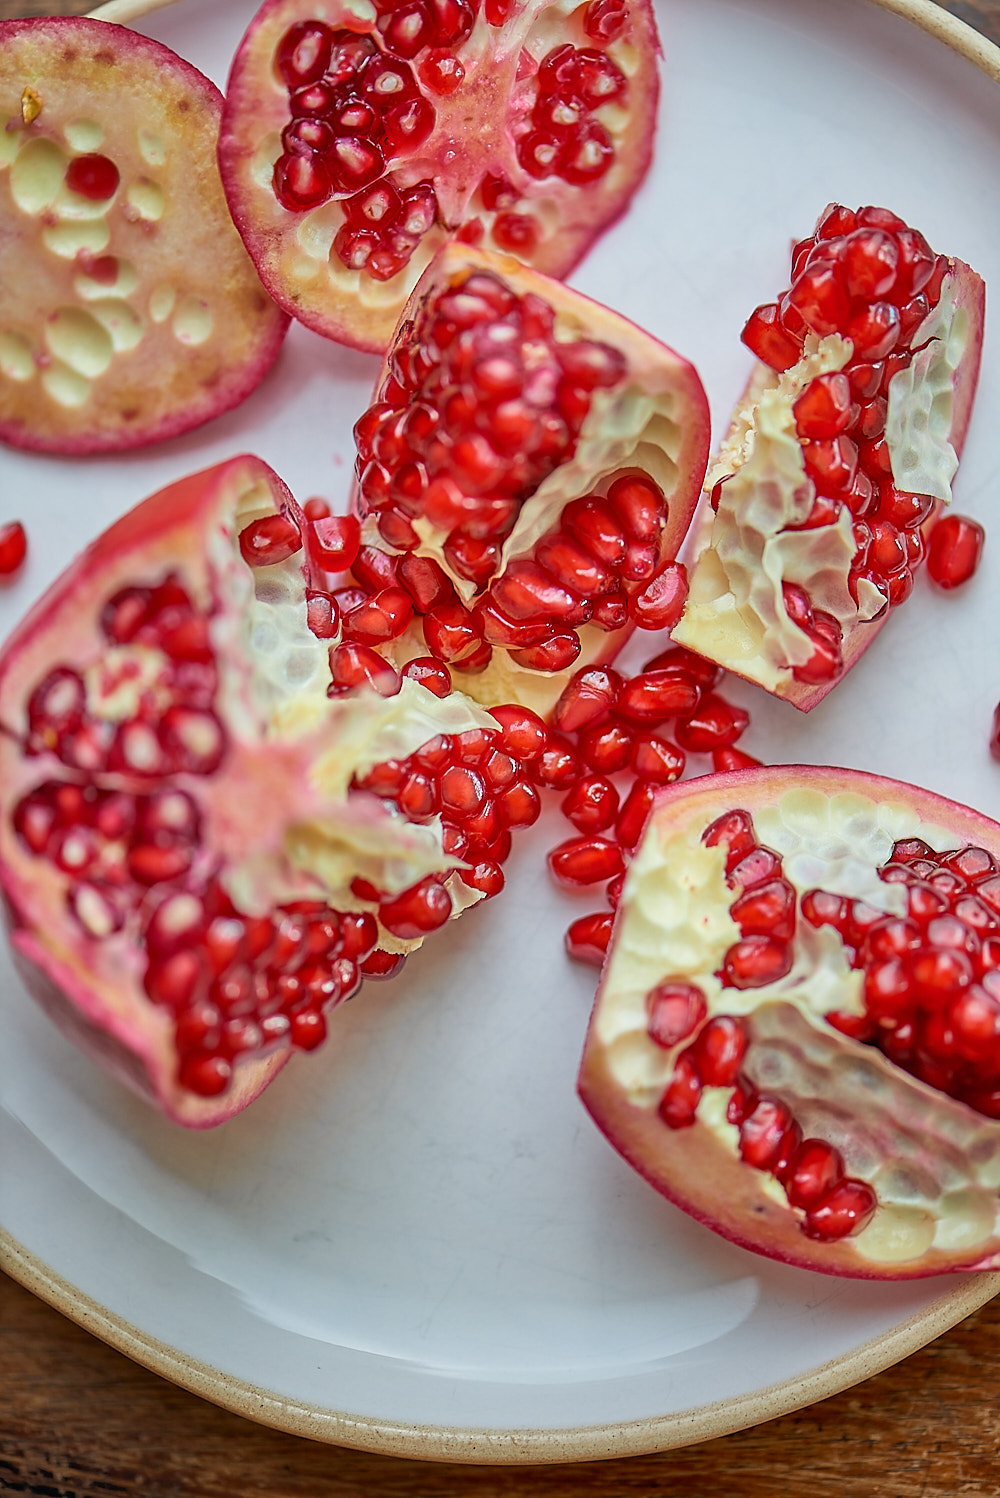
[(872, 279), (564, 138), (607, 726), (476, 784), (13, 548), (811, 1171), (147, 708), (931, 977), (354, 108), (482, 403)]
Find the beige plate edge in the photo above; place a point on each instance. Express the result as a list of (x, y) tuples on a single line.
[(452, 1444)]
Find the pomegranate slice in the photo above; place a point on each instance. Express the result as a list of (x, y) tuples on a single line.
[(527, 470), (129, 310), (797, 1033), (202, 851), (353, 146), (840, 455)]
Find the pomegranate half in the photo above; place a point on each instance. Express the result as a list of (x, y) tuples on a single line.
[(129, 310), (203, 851), (356, 141), (527, 472), (797, 1033), (839, 457)]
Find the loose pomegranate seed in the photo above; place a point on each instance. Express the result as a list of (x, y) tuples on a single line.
[(955, 548), (587, 699), (585, 860), (523, 733), (592, 804), (608, 747), (635, 812), (661, 604), (652, 697), (13, 547), (557, 767), (655, 758), (714, 725)]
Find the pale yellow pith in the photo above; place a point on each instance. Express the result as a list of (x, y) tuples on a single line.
[(941, 1190)]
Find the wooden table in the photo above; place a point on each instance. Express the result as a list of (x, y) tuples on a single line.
[(77, 1418)]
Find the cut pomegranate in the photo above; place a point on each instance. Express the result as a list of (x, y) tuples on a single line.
[(840, 455), (350, 155), (129, 309), (531, 539), (213, 819), (797, 1034)]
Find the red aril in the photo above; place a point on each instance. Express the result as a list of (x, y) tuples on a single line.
[(13, 548), (857, 414), (836, 1112), (954, 550), (129, 309), (349, 160), (214, 817)]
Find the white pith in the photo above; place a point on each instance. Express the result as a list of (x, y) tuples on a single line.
[(933, 1162), (97, 361), (306, 272), (735, 614)]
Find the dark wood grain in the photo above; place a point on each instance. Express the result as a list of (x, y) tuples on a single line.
[(78, 1420)]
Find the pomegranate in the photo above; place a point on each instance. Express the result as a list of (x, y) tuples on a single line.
[(840, 454), (354, 145), (797, 1033), (526, 473), (129, 310), (204, 845)]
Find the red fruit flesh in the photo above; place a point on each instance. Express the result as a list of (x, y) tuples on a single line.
[(813, 530), (954, 550), (129, 309), (13, 548), (212, 820), (837, 1112), (365, 126), (474, 475)]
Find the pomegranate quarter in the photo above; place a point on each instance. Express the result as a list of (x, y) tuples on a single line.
[(526, 473), (840, 455), (129, 310), (357, 140), (214, 826), (797, 1033)]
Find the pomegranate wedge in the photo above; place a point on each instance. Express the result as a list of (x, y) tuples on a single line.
[(129, 310), (797, 1034), (526, 474), (201, 851), (839, 457), (355, 144)]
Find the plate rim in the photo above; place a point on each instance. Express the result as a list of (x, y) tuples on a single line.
[(508, 1446)]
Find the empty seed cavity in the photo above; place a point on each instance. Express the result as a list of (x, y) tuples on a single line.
[(17, 361), (85, 135), (37, 174), (65, 385), (79, 341), (120, 321), (162, 301), (145, 198), (193, 320), (152, 148), (75, 237)]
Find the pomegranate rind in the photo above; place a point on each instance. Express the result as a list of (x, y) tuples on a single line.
[(702, 627), (293, 252), (173, 327), (656, 421), (879, 1109)]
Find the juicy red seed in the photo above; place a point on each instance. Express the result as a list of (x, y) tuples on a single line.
[(591, 522), (450, 632), (587, 938), (422, 908), (383, 617), (814, 1170), (301, 182), (354, 665), (675, 1010), (204, 1073), (762, 1133), (765, 336), (719, 1049), (425, 581), (661, 604), (637, 503), (585, 860), (517, 233), (587, 698), (954, 551), (93, 176), (13, 547), (756, 961), (605, 20), (463, 790), (272, 539), (735, 829), (557, 767), (705, 673), (817, 301), (753, 868), (519, 805), (766, 909), (334, 541), (652, 697), (846, 1210), (824, 407), (635, 812), (303, 54), (683, 1093), (557, 653), (724, 760), (484, 875), (655, 758), (430, 674), (591, 805), (607, 747), (714, 725), (306, 1030), (522, 732)]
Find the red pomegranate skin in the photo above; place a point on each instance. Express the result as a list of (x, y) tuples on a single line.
[(466, 163), (157, 321), (895, 1118)]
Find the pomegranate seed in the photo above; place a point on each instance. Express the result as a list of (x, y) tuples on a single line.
[(422, 908), (954, 551), (430, 674), (450, 633), (271, 539), (719, 1049), (714, 725), (766, 909), (557, 767), (607, 747), (522, 732), (762, 1133), (585, 860), (846, 1210), (756, 961), (773, 344), (92, 176), (656, 759), (724, 760), (635, 812), (591, 805), (680, 1100), (518, 805), (587, 698), (587, 938), (358, 665), (824, 407), (13, 547), (653, 696), (334, 541), (661, 604), (675, 1011)]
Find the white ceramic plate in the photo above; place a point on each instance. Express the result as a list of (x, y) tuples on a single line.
[(416, 1241)]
